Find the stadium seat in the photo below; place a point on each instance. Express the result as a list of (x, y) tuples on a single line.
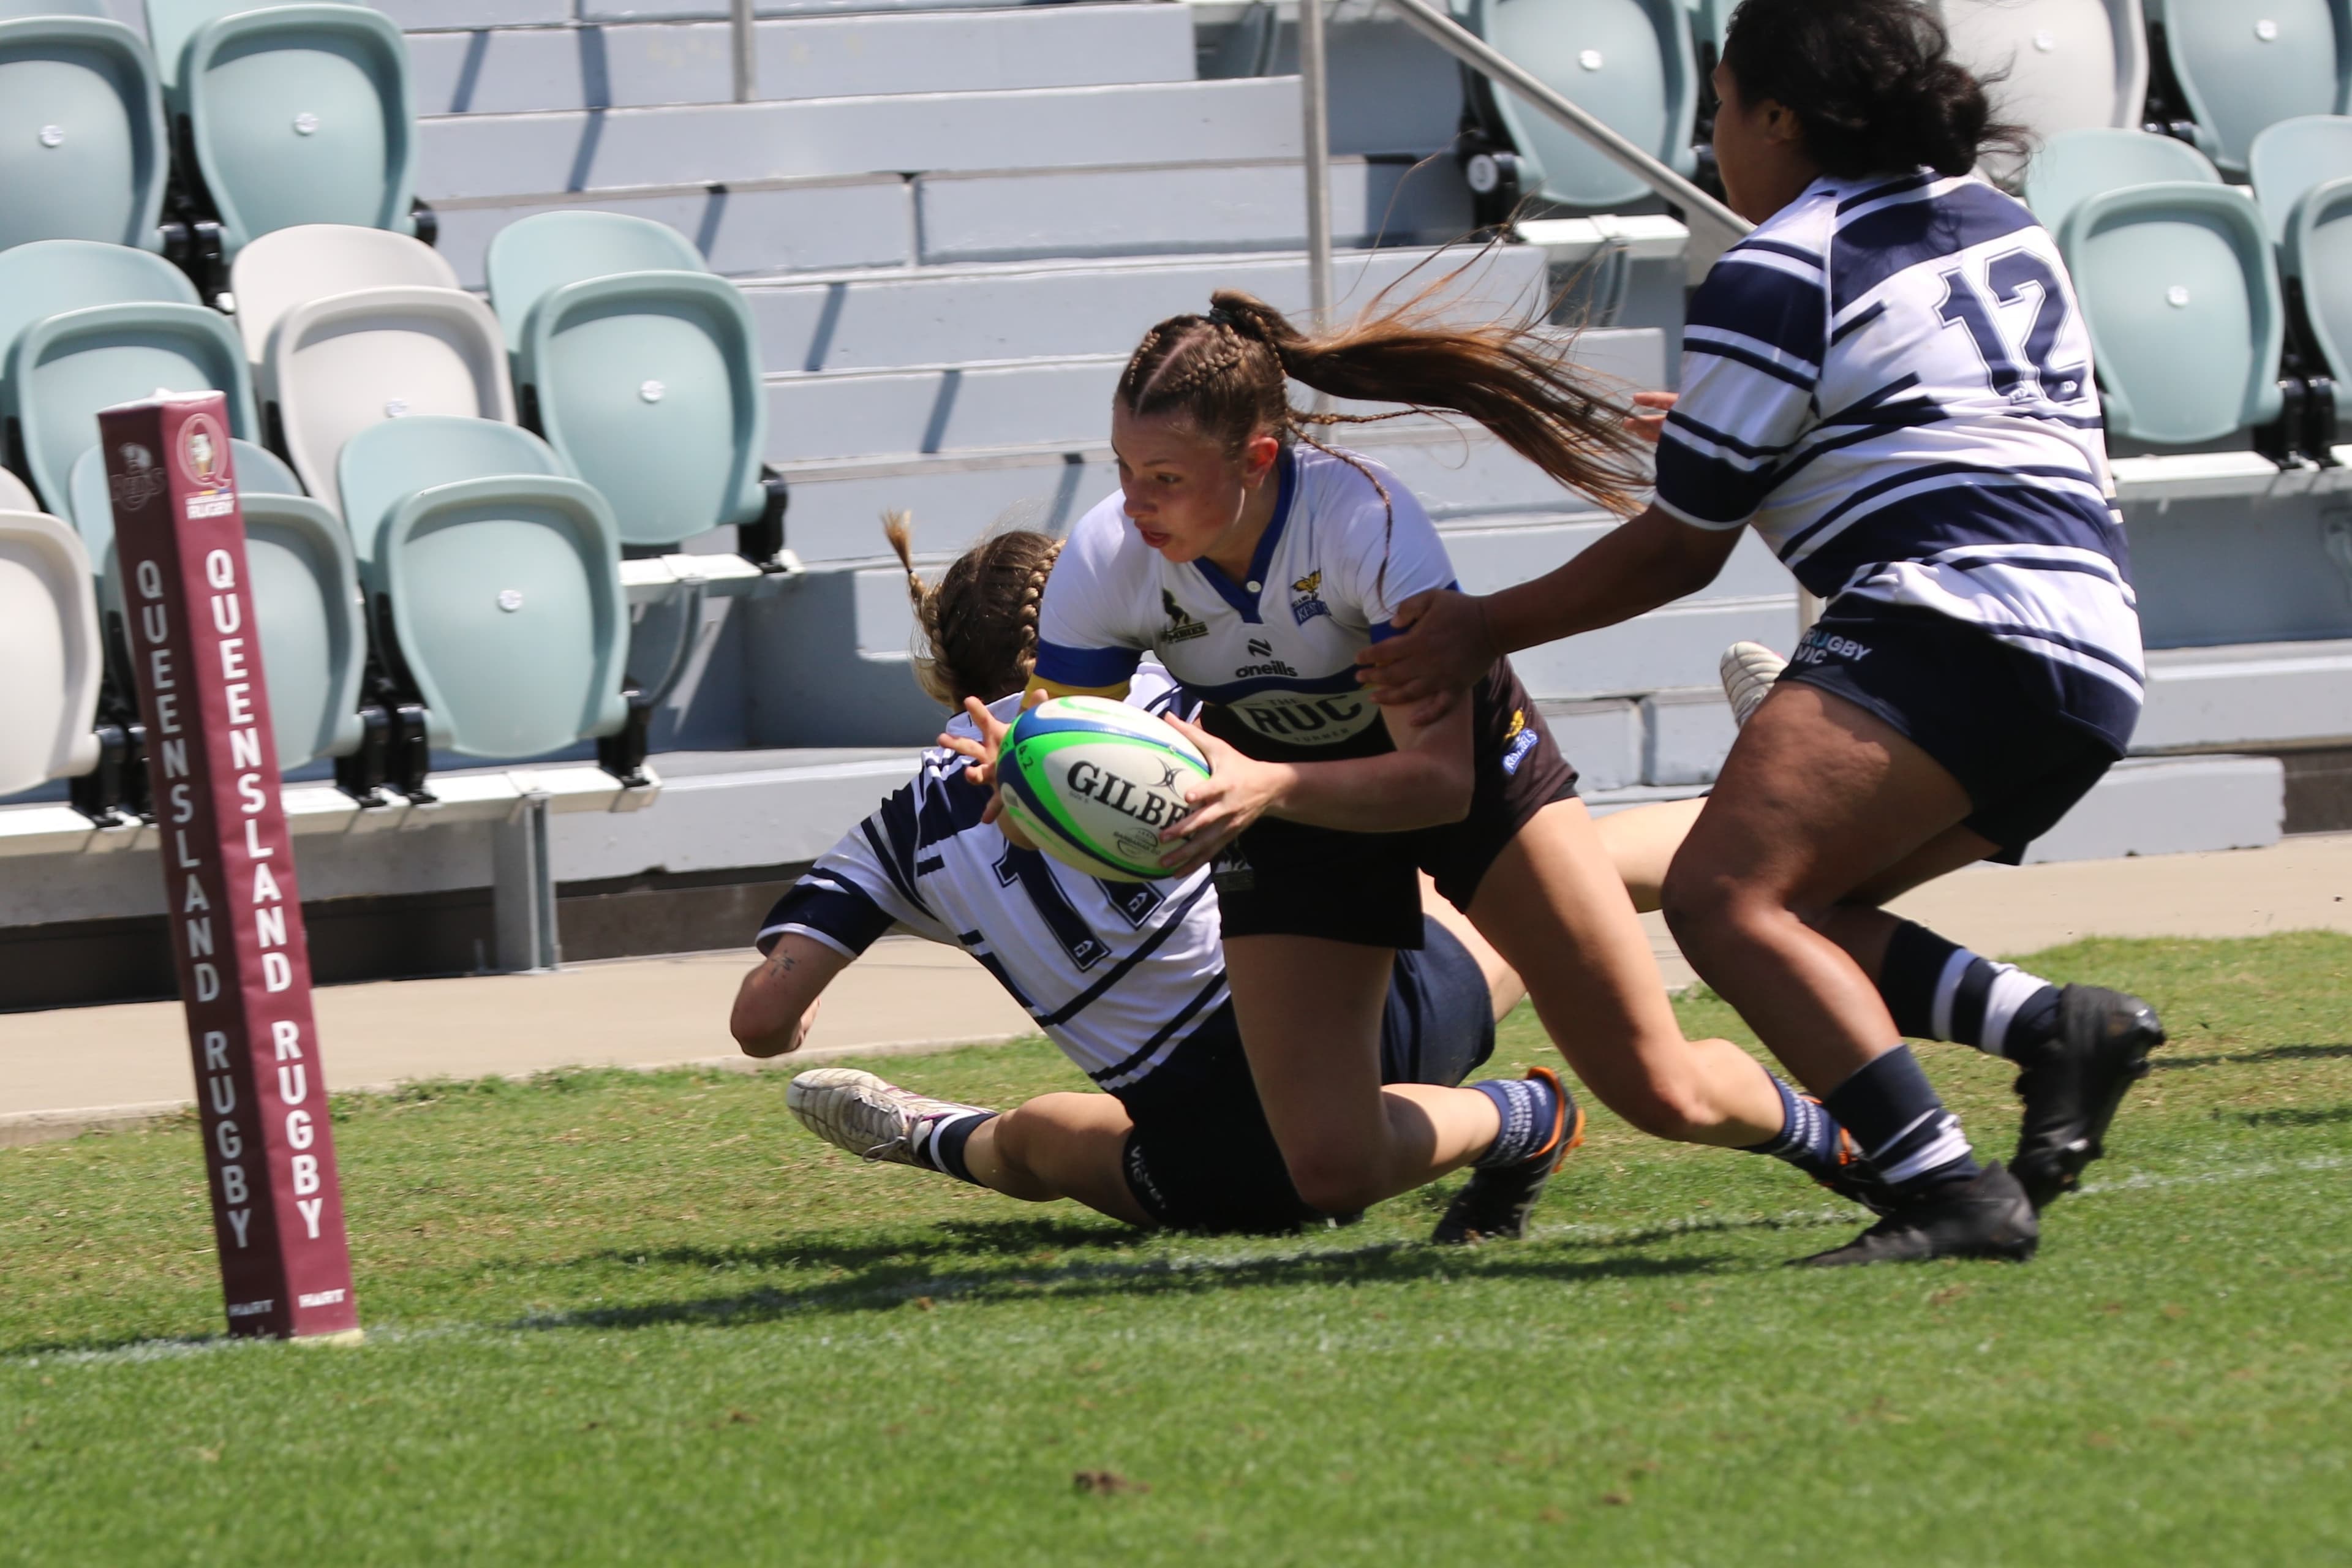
[(647, 382), (310, 261), (2075, 165), (306, 598), (48, 277), (496, 582), (1630, 62), (2182, 299), (49, 647), (2293, 158), (293, 115), (83, 152), (2064, 65), (63, 367), (2303, 178), (2242, 67), (338, 364), (531, 260), (14, 496)]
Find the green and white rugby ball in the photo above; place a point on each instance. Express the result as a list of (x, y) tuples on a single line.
[(1092, 783)]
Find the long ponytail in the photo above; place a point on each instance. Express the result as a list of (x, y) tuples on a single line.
[(1227, 370)]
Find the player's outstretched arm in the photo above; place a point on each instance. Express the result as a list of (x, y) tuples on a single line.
[(776, 1004), (1445, 640)]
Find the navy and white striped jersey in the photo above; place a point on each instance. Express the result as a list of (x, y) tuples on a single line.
[(1892, 382), (1117, 973), (1274, 656)]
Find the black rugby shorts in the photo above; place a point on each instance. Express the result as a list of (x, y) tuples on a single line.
[(1288, 878), (1201, 1157), (1973, 703)]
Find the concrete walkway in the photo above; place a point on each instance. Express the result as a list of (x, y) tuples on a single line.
[(66, 1070)]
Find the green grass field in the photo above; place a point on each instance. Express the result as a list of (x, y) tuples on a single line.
[(616, 1318)]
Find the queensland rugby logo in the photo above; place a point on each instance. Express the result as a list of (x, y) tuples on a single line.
[(1307, 602), (1181, 627), (204, 454)]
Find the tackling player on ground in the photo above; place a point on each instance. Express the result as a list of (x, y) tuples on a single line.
[(1128, 978)]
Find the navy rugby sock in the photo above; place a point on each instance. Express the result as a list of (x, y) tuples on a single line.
[(1900, 1125), (1530, 1110), (1938, 990), (1809, 1136), (941, 1145)]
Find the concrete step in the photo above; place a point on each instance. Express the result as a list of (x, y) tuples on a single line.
[(2251, 694), (491, 69), (1227, 205), (955, 314), (478, 156), (1458, 474), (949, 408), (793, 224), (416, 16)]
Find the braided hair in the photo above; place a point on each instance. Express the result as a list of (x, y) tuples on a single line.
[(978, 623)]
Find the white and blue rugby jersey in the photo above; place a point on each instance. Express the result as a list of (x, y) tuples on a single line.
[(1890, 380), (1117, 973), (1276, 651)]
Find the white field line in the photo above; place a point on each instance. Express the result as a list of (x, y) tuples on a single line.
[(1165, 1267)]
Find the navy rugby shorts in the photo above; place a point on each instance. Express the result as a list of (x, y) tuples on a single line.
[(1201, 1157), (1973, 703), (1288, 878)]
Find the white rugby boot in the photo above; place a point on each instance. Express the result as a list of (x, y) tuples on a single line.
[(1749, 670), (872, 1118)]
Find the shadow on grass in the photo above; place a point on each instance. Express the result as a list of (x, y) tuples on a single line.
[(887, 1289), (2298, 1116), (1014, 1241), (2163, 1062)]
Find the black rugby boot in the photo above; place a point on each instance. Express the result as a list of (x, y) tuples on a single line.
[(1855, 1179), (1987, 1216), (2072, 1084), (1494, 1205)]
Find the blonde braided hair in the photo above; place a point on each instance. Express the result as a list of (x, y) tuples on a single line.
[(977, 625)]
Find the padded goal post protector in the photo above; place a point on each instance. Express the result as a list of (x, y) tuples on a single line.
[(236, 915)]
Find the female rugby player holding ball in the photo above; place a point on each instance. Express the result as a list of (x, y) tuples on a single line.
[(1255, 565), (1890, 381)]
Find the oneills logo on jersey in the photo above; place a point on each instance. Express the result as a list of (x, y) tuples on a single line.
[(1309, 601), (1181, 627)]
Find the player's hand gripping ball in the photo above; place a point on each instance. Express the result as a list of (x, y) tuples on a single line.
[(1093, 781)]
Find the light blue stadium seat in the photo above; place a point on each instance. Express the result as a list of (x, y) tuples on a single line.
[(495, 581), (2293, 159), (49, 277), (1629, 62), (294, 114), (83, 150), (2303, 177), (62, 368), (2245, 65), (539, 255), (2063, 65), (306, 598), (641, 369), (49, 647), (2182, 299), (2075, 165)]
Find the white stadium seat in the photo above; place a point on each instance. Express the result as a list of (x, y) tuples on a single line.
[(291, 267), (49, 647)]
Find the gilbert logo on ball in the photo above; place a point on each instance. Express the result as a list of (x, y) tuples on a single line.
[(1093, 783), (236, 915)]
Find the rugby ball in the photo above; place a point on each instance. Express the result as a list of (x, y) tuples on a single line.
[(1092, 782)]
